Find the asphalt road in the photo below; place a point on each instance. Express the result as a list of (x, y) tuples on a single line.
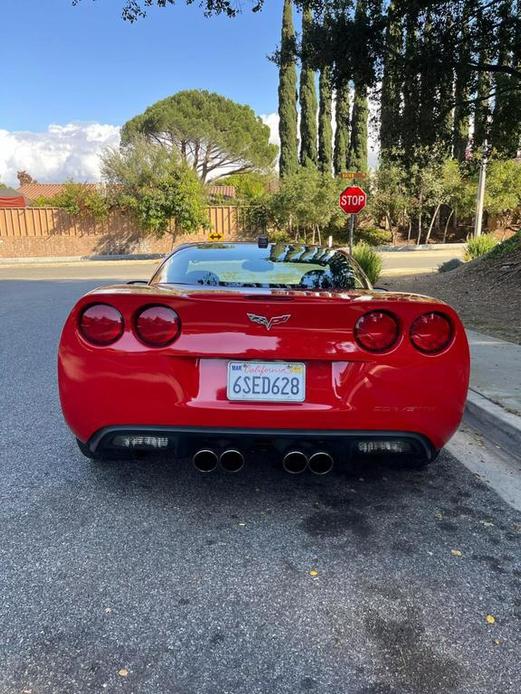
[(394, 263), (150, 578)]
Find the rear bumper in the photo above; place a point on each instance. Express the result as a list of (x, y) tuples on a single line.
[(123, 441)]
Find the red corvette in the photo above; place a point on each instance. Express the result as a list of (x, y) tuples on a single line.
[(238, 347)]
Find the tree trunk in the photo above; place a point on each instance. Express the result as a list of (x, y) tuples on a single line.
[(420, 200), (447, 226), (432, 223)]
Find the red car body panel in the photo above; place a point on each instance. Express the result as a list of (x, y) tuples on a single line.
[(184, 384)]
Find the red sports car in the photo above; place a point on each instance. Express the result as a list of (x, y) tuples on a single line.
[(234, 348)]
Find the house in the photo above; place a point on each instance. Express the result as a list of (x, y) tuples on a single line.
[(12, 198), (33, 191)]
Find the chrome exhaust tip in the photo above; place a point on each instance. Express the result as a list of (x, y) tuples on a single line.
[(205, 460), (231, 460), (321, 463), (295, 462)]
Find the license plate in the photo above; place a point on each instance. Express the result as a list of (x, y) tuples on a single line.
[(260, 381)]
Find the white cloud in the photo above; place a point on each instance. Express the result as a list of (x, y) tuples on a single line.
[(272, 120), (60, 153)]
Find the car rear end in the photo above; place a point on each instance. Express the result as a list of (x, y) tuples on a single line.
[(162, 368)]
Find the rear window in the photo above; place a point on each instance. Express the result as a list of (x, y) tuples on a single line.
[(279, 266)]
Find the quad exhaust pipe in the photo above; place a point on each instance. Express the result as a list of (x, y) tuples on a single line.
[(231, 460), (206, 460), (321, 463), (295, 462)]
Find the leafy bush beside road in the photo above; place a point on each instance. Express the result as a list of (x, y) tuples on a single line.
[(478, 246), (369, 261)]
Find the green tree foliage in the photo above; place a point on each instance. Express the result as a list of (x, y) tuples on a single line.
[(79, 200), (213, 135), (132, 10), (342, 127), (506, 121), (249, 186), (325, 130), (308, 97), (390, 105), (288, 162), (156, 187), (306, 203), (357, 159), (462, 83)]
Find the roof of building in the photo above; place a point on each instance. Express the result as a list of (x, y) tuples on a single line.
[(32, 191), (221, 191), (9, 197)]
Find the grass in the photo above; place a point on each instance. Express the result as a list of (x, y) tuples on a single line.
[(478, 246), (369, 261)]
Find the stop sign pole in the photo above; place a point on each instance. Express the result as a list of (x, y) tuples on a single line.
[(352, 201)]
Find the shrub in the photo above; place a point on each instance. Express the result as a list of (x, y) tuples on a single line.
[(479, 245), (373, 236), (369, 261)]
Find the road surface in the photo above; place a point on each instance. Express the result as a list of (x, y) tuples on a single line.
[(394, 262), (148, 577)]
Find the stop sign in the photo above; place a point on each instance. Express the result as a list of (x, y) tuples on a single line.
[(353, 200)]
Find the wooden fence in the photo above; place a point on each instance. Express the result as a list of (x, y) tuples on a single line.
[(46, 231)]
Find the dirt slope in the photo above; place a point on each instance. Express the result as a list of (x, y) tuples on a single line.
[(486, 292)]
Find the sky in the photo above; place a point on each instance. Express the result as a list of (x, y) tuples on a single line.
[(72, 75)]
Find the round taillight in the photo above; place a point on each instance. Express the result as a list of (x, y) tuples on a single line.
[(101, 324), (431, 332), (377, 331), (157, 326)]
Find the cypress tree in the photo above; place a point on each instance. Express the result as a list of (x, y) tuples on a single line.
[(462, 87), (308, 98), (505, 128), (482, 105), (288, 95), (357, 160), (342, 126), (411, 86), (325, 130), (391, 84), (357, 157)]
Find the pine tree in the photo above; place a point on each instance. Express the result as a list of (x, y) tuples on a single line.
[(288, 95), (342, 126), (357, 159), (391, 85), (308, 98), (325, 129)]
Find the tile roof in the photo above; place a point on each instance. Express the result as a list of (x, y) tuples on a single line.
[(48, 190), (221, 191)]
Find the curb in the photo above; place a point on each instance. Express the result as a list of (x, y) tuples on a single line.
[(37, 260), (422, 247), (499, 426)]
